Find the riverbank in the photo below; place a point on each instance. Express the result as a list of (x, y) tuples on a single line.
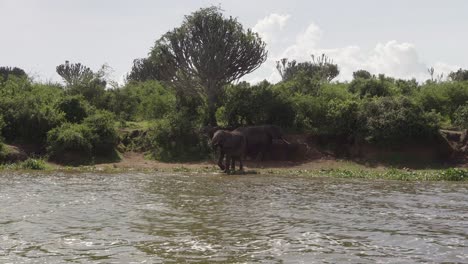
[(322, 167)]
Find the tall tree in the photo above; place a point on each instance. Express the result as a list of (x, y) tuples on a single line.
[(144, 69), (458, 76), (75, 73), (321, 68), (7, 71), (207, 52)]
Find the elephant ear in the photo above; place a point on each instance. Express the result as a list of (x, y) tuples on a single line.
[(218, 138)]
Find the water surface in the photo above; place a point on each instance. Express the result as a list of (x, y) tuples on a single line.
[(174, 218)]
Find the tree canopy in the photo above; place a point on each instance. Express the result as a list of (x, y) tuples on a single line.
[(207, 52), (321, 68)]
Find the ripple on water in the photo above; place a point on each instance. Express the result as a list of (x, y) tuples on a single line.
[(250, 218)]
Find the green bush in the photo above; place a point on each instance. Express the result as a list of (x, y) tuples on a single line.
[(28, 110), (454, 174), (176, 138), (444, 98), (395, 120), (341, 117), (33, 164), (103, 135), (371, 87), (2, 125), (141, 101), (256, 105), (461, 117), (310, 112), (76, 108), (69, 138)]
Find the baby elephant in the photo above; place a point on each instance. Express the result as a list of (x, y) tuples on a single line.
[(231, 144)]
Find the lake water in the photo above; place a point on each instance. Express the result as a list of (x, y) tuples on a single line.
[(175, 218)]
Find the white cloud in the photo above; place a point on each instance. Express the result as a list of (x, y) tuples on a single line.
[(269, 26), (393, 58)]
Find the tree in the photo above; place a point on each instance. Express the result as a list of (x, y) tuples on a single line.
[(75, 73), (143, 70), (205, 53), (81, 80), (362, 74), (459, 76), (320, 68), (7, 71)]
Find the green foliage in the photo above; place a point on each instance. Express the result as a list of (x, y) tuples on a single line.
[(5, 72), (28, 110), (454, 174), (321, 68), (2, 125), (75, 108), (80, 142), (75, 74), (258, 104), (33, 164), (459, 76), (103, 135), (143, 70), (461, 117), (363, 74), (341, 117), (371, 87), (395, 120), (141, 101), (310, 112), (175, 138), (69, 138), (207, 52), (444, 98)]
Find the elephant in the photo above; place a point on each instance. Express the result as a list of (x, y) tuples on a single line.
[(233, 145), (260, 139)]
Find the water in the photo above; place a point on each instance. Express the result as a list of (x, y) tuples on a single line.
[(172, 218)]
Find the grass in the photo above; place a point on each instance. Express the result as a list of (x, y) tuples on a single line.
[(345, 171), (450, 174), (29, 164)]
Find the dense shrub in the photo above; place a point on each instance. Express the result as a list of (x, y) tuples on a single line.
[(75, 108), (371, 87), (2, 125), (6, 72), (444, 98), (33, 164), (176, 138), (341, 117), (255, 105), (395, 120), (95, 136), (310, 112), (103, 135), (461, 117), (141, 101), (69, 138), (28, 110)]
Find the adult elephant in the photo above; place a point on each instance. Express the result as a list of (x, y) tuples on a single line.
[(233, 145), (260, 139)]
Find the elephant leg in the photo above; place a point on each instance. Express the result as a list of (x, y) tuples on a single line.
[(241, 165), (220, 160), (233, 164), (228, 160)]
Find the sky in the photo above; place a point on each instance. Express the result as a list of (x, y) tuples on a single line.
[(398, 38)]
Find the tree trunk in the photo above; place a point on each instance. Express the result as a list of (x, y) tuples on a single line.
[(212, 113), (212, 102)]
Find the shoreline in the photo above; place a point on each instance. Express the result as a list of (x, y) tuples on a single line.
[(325, 167)]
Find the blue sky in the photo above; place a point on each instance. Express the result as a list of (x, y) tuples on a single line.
[(399, 38)]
